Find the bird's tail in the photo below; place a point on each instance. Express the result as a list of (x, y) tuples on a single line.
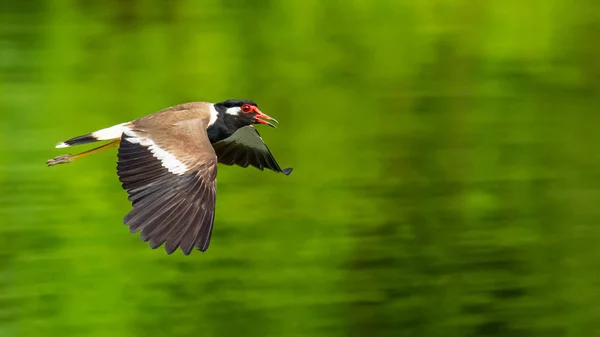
[(111, 133)]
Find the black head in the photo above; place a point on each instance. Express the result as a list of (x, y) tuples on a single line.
[(232, 103), (233, 114)]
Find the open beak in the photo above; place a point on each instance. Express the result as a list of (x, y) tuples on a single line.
[(261, 118)]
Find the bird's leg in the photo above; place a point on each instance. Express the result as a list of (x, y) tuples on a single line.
[(67, 158)]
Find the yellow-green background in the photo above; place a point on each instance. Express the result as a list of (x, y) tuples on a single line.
[(446, 176)]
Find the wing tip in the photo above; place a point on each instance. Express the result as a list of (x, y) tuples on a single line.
[(61, 145), (287, 171), (203, 247), (186, 251)]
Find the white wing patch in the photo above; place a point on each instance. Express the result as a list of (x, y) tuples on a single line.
[(168, 161), (113, 132)]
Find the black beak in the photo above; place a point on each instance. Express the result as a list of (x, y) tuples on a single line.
[(272, 125)]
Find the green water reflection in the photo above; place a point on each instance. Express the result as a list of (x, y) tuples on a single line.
[(445, 182)]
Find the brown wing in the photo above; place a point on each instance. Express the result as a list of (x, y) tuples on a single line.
[(168, 168), (246, 147)]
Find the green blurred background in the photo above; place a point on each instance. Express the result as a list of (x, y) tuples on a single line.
[(446, 170)]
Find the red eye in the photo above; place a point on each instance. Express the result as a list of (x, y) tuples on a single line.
[(247, 108)]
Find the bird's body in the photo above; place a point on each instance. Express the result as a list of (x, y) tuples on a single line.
[(167, 163)]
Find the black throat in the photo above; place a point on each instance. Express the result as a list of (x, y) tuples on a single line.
[(224, 126)]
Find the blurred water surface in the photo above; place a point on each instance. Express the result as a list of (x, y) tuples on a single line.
[(446, 178)]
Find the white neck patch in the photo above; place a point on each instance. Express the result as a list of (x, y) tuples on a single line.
[(213, 115)]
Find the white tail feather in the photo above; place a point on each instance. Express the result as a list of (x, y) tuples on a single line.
[(112, 132)]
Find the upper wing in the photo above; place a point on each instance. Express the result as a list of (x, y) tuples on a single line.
[(246, 147), (169, 173)]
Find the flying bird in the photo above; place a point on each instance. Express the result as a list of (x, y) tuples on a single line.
[(167, 163)]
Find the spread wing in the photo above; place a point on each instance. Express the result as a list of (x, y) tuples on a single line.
[(169, 173), (246, 147)]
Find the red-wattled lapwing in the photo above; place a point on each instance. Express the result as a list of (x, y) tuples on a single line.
[(167, 163)]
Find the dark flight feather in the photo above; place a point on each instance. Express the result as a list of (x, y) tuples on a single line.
[(171, 209), (246, 147)]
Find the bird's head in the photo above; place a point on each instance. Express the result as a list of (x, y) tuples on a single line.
[(239, 113)]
